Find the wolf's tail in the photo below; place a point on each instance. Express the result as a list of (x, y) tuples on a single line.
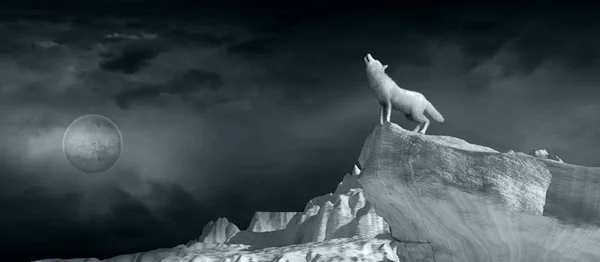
[(434, 113)]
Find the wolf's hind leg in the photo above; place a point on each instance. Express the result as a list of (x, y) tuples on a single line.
[(422, 120), (417, 128), (425, 126), (410, 118)]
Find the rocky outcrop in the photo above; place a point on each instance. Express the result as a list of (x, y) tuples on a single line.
[(448, 200), (543, 154), (345, 213), (342, 214), (218, 231), (270, 221)]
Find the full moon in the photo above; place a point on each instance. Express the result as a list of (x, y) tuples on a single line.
[(92, 143)]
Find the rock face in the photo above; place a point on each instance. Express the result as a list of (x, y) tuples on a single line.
[(448, 200), (345, 213), (574, 194), (342, 214), (270, 221), (218, 232)]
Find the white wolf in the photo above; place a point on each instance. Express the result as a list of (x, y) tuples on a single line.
[(391, 96)]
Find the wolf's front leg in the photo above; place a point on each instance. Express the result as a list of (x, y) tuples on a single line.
[(388, 108), (381, 114)]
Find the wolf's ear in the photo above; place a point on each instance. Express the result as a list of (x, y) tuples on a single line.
[(385, 66)]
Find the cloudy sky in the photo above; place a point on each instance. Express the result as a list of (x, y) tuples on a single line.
[(228, 110)]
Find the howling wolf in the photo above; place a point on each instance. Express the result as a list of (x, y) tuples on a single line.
[(391, 96)]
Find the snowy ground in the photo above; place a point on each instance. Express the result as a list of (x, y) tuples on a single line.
[(343, 249)]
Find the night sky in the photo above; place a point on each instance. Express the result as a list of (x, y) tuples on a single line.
[(255, 106)]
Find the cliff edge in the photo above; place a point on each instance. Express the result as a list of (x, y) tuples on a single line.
[(448, 200)]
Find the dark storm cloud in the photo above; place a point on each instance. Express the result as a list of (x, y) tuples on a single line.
[(254, 47), (82, 39), (87, 32), (210, 40), (133, 57), (194, 80), (567, 39), (533, 45), (189, 82), (199, 39), (144, 93), (481, 48)]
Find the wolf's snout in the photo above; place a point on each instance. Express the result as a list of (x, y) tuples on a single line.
[(368, 58)]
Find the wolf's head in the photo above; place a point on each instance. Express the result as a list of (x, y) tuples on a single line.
[(374, 64)]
